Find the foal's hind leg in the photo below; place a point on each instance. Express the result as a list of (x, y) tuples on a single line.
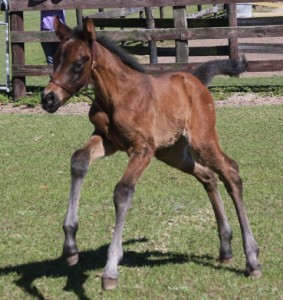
[(80, 162), (227, 169), (178, 157), (207, 178)]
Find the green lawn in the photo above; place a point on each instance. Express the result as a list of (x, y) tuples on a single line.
[(170, 239)]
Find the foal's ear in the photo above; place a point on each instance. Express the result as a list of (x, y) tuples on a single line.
[(89, 29), (61, 30)]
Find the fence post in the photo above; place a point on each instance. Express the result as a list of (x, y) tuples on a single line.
[(233, 22), (152, 43), (101, 10), (79, 15), (18, 55), (180, 21), (161, 12)]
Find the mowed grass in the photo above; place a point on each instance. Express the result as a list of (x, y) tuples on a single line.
[(170, 238)]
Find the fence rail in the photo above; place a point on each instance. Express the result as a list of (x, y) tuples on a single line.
[(181, 29), (28, 5), (163, 34)]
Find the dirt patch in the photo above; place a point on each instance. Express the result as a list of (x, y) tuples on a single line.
[(248, 99), (80, 108)]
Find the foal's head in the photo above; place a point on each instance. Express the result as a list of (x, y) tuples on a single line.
[(73, 64)]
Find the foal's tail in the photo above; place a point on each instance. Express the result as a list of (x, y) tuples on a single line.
[(231, 67)]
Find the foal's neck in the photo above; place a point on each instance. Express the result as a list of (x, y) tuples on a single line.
[(112, 77)]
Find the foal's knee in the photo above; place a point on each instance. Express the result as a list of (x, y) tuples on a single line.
[(80, 163), (123, 194)]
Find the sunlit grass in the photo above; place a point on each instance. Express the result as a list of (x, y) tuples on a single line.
[(170, 236)]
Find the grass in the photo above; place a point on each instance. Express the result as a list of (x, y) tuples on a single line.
[(170, 236)]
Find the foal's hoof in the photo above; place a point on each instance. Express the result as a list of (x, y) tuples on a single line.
[(109, 284), (227, 261), (253, 271), (255, 274), (72, 260)]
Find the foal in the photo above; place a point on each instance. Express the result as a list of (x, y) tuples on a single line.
[(171, 117)]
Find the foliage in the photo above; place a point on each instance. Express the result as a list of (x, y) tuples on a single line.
[(223, 87), (170, 238), (4, 98)]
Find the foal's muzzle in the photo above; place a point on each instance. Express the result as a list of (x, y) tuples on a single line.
[(50, 102)]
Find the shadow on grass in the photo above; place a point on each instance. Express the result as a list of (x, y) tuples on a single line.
[(95, 260)]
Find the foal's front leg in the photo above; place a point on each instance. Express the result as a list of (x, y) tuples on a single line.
[(123, 194), (96, 148)]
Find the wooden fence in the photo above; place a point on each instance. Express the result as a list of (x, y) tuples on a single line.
[(181, 29)]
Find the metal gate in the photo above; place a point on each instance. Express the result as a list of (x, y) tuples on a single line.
[(4, 47)]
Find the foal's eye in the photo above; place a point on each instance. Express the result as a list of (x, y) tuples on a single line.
[(78, 66)]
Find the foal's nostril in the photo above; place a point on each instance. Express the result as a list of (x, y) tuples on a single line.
[(48, 101)]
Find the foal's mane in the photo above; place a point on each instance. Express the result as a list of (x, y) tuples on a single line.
[(125, 57)]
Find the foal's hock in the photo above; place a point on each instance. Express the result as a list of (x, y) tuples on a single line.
[(171, 117)]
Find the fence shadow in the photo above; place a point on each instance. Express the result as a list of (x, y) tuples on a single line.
[(92, 260)]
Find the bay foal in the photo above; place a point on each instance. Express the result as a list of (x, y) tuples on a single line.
[(171, 117)]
